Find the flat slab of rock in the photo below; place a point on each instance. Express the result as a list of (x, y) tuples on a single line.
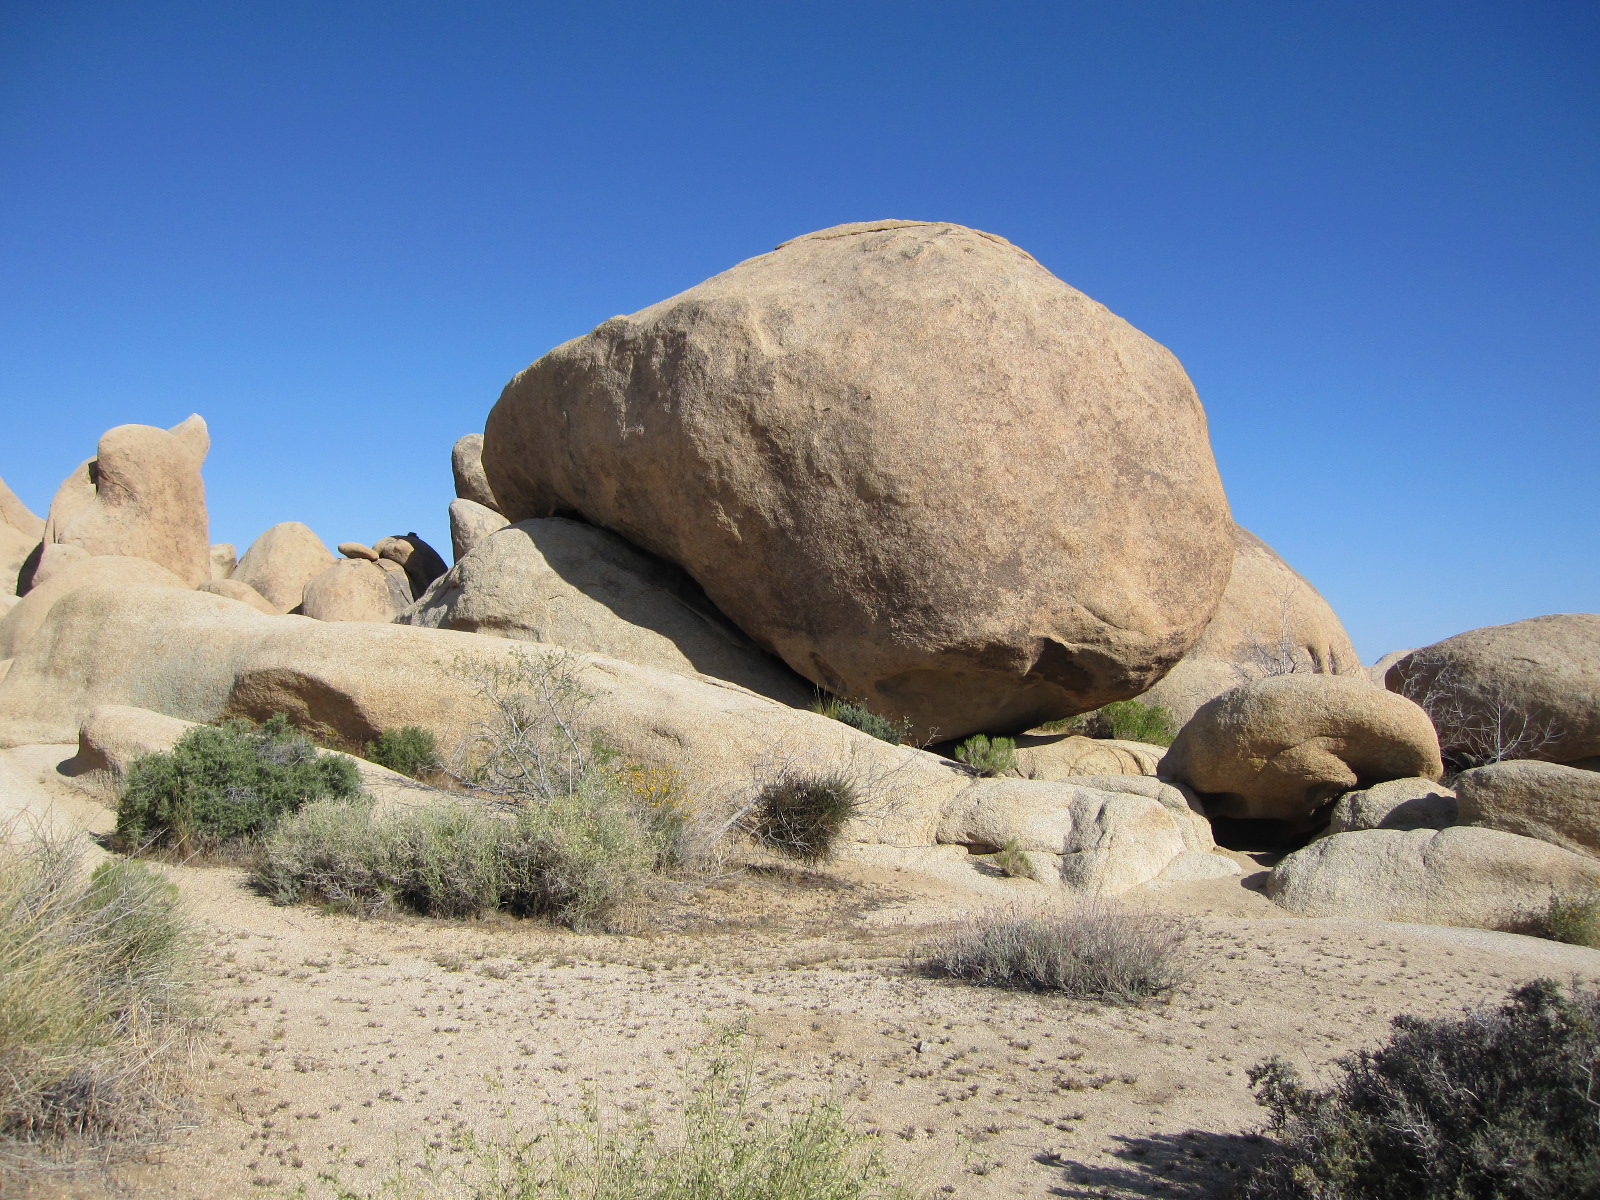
[(1556, 804)]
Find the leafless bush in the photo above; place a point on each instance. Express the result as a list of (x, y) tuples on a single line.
[(1475, 727)]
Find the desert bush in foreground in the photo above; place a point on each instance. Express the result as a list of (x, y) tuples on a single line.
[(1125, 720), (988, 756), (96, 1012), (226, 783), (1096, 952), (803, 815), (858, 716), (1495, 1104), (410, 750)]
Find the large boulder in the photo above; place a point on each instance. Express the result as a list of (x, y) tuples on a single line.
[(466, 464), (1457, 876), (1530, 689), (568, 584), (1282, 747), (281, 562), (24, 619), (355, 589), (904, 457), (1271, 622), (470, 523), (20, 534), (140, 496), (1548, 801), (200, 657)]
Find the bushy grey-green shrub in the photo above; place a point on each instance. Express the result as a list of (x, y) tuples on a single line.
[(986, 755), (1496, 1104), (859, 716), (1125, 720), (802, 815), (226, 783), (410, 750)]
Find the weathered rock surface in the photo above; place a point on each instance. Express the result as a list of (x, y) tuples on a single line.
[(1396, 804), (199, 657), (568, 584), (1064, 756), (20, 534), (420, 561), (224, 558), (23, 621), (1281, 747), (232, 589), (281, 562), (466, 464), (1548, 801), (355, 589), (470, 523), (1271, 622), (1530, 689), (1457, 876), (140, 496), (906, 458)]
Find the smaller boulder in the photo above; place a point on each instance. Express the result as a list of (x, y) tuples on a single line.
[(466, 463), (1554, 803), (1378, 672), (1282, 747), (224, 558), (470, 523), (357, 550), (420, 561), (281, 562), (232, 589), (1064, 756), (1397, 804), (355, 589)]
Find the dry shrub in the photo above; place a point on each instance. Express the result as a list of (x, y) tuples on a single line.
[(97, 1012), (803, 815), (1574, 919), (1097, 951)]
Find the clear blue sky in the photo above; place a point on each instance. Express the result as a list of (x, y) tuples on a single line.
[(1369, 230)]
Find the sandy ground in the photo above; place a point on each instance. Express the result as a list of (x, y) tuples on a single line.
[(344, 1048)]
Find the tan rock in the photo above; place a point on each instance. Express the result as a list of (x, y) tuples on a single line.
[(1271, 622), (281, 562), (906, 458), (470, 523), (1282, 747), (53, 557), (1457, 876), (569, 584), (1548, 801), (22, 622), (420, 561), (355, 589), (232, 589), (19, 516), (357, 550), (1378, 672), (1530, 689), (224, 558), (141, 496), (466, 463), (1397, 804), (20, 534), (1063, 756)]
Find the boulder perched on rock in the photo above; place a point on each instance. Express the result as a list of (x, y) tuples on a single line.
[(1548, 801), (355, 589), (569, 584), (20, 534), (1282, 747), (232, 589), (281, 562), (466, 464), (420, 561), (23, 621), (470, 523), (906, 458), (140, 496), (1457, 876), (1270, 622), (1397, 804), (358, 550), (1530, 689), (1067, 755)]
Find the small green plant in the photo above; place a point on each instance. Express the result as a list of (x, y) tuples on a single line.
[(1010, 859), (859, 716), (1495, 1104), (1124, 720), (97, 1013), (226, 784), (410, 750), (1574, 919), (1096, 952), (803, 815), (988, 756)]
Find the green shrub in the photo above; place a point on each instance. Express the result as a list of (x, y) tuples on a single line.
[(988, 756), (1572, 919), (410, 750), (1125, 720), (803, 815), (859, 716), (1095, 952), (226, 783), (1494, 1104), (96, 1010)]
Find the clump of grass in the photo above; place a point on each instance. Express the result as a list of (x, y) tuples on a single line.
[(410, 750), (1574, 919), (859, 716), (988, 756), (225, 784), (1124, 720), (96, 1006), (1095, 952), (1497, 1103), (803, 815)]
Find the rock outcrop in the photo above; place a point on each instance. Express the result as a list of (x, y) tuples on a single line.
[(1397, 804), (904, 457), (355, 589), (470, 523), (1530, 689), (466, 464), (23, 621), (1066, 756), (1548, 801), (140, 496), (568, 584), (1271, 622), (281, 562), (420, 561), (20, 534), (1282, 747)]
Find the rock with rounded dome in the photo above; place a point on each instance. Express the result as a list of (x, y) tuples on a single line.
[(354, 589), (906, 458), (1396, 804), (281, 562)]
